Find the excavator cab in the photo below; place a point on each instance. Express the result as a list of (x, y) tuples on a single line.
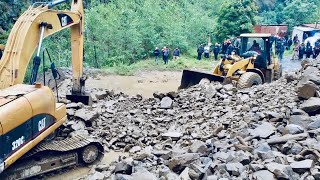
[(254, 65)]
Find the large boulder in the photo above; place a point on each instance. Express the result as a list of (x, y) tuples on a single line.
[(311, 105)]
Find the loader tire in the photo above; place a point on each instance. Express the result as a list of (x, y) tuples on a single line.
[(249, 79)]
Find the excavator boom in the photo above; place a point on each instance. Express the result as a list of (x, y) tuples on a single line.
[(27, 35)]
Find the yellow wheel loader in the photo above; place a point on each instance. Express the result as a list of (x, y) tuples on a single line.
[(256, 64), (30, 113)]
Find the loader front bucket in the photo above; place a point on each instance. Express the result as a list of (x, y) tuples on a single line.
[(190, 78)]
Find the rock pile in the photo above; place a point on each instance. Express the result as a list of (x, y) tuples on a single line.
[(209, 131)]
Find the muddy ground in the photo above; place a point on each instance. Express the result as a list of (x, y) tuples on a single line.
[(144, 83)]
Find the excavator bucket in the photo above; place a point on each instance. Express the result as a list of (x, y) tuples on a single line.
[(83, 98), (190, 78)]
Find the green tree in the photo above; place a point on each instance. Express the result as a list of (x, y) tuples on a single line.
[(235, 17), (298, 12)]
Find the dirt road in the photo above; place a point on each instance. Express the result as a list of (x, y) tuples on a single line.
[(144, 83)]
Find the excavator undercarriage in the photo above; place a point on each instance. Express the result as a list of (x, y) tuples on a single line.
[(30, 114)]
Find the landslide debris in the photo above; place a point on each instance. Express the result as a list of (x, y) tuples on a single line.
[(209, 131)]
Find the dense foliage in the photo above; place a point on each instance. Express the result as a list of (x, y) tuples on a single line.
[(290, 12), (235, 17), (124, 31)]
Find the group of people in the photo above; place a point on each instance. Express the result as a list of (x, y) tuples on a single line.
[(165, 52), (302, 50), (228, 47)]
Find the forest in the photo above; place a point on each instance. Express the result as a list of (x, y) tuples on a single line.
[(121, 32)]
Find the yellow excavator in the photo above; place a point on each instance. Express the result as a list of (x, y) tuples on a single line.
[(30, 114), (256, 64)]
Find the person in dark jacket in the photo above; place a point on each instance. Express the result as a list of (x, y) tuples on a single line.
[(156, 54), (216, 51), (308, 43), (316, 51), (282, 47), (289, 43), (309, 50), (224, 47), (200, 51), (176, 53), (302, 50), (230, 49)]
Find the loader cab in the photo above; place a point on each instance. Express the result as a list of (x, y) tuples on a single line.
[(257, 44)]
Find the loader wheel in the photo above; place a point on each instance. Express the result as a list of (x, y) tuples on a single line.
[(249, 79), (89, 154)]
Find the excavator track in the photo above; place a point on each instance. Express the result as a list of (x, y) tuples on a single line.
[(55, 155)]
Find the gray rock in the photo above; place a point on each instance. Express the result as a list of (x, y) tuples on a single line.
[(235, 168), (302, 166), (173, 135), (144, 175), (296, 149), (123, 177), (185, 174), (311, 105), (299, 112), (78, 125), (264, 151), (172, 176), (263, 175), (97, 176), (198, 147), (101, 95), (256, 167), (166, 103), (212, 177), (86, 115), (264, 130), (177, 163), (102, 167), (281, 171), (82, 132), (300, 120), (307, 90), (293, 129), (123, 167), (135, 149), (314, 125)]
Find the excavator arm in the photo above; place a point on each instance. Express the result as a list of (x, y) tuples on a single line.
[(27, 35)]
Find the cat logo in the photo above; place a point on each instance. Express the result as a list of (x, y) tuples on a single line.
[(64, 21), (41, 124)]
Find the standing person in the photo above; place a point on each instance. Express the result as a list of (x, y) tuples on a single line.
[(316, 51), (216, 51), (302, 51), (163, 51), (224, 47), (295, 39), (305, 36), (206, 51), (229, 49), (200, 51), (166, 55), (295, 54), (309, 50), (156, 54), (236, 45), (282, 47), (176, 53), (289, 43)]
